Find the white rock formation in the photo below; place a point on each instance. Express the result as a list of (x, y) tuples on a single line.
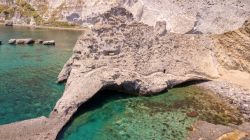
[(181, 16)]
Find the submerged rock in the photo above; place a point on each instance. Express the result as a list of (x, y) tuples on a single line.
[(208, 131), (25, 41), (12, 41)]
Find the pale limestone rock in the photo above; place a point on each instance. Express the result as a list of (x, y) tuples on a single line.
[(50, 42), (183, 16), (120, 54)]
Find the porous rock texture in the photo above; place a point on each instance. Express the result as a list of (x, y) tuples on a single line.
[(134, 58), (121, 54)]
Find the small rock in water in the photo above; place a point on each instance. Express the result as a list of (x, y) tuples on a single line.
[(21, 41), (0, 42), (12, 41), (39, 41), (8, 23), (51, 42), (25, 41), (192, 114)]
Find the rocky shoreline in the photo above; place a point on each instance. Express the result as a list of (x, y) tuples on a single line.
[(234, 94), (121, 54), (80, 29)]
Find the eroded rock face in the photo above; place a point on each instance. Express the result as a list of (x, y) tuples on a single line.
[(130, 56), (120, 53), (233, 48), (181, 16), (192, 16)]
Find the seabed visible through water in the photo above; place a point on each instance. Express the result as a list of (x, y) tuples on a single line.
[(28, 90), (168, 116)]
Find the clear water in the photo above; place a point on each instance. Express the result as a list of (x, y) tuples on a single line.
[(28, 73), (28, 90), (115, 116)]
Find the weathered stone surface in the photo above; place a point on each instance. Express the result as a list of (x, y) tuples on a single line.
[(8, 23), (121, 54), (12, 41), (203, 16), (51, 42), (160, 28), (183, 16), (233, 48), (21, 41), (235, 94), (25, 41), (207, 131), (39, 41)]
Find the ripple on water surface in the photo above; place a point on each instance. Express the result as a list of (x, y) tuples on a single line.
[(28, 73), (169, 116)]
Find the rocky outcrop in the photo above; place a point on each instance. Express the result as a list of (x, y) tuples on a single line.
[(234, 94), (12, 41), (208, 131), (136, 59), (8, 23), (121, 54), (192, 17), (233, 48), (21, 41), (50, 42)]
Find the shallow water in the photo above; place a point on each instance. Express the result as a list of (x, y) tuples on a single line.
[(169, 116), (28, 90), (28, 73)]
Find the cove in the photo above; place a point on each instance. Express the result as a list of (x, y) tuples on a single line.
[(28, 74), (110, 115)]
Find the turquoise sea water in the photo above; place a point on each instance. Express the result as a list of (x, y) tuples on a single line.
[(169, 116), (28, 90), (28, 73)]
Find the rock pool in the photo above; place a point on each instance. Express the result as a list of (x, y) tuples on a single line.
[(111, 116)]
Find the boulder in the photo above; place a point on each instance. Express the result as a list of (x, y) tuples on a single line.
[(8, 23), (0, 42), (130, 57), (39, 41), (160, 28), (50, 42), (21, 41), (25, 41), (12, 41)]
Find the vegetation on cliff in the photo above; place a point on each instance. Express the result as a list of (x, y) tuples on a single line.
[(26, 12)]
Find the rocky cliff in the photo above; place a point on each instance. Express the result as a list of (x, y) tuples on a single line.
[(185, 16), (120, 53)]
